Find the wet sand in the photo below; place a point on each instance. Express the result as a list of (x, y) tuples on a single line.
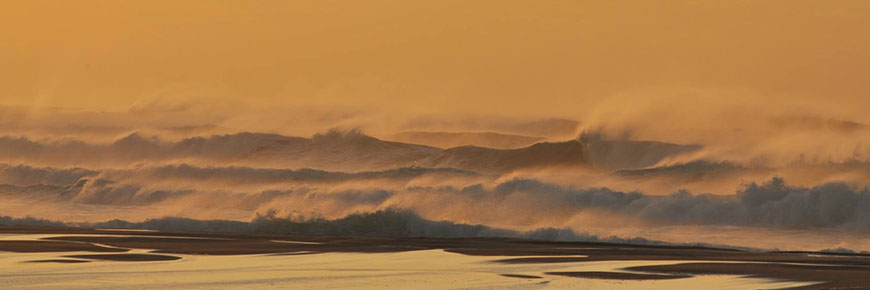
[(511, 260), (835, 277)]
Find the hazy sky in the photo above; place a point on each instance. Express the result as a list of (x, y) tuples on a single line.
[(514, 57)]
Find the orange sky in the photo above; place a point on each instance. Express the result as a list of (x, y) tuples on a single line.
[(514, 57)]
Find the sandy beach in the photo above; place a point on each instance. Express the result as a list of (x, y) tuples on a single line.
[(74, 258)]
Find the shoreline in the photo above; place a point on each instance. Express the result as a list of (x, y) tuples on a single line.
[(822, 270)]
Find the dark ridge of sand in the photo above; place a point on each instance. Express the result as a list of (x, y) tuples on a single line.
[(825, 253), (126, 257), (293, 254), (62, 261), (53, 246), (619, 275), (521, 276), (829, 276), (646, 253)]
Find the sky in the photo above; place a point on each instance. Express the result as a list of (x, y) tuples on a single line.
[(565, 59)]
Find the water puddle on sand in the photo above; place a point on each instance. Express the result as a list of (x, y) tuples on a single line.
[(428, 269)]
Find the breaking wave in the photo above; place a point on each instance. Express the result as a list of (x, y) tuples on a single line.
[(335, 150), (355, 184), (439, 193)]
